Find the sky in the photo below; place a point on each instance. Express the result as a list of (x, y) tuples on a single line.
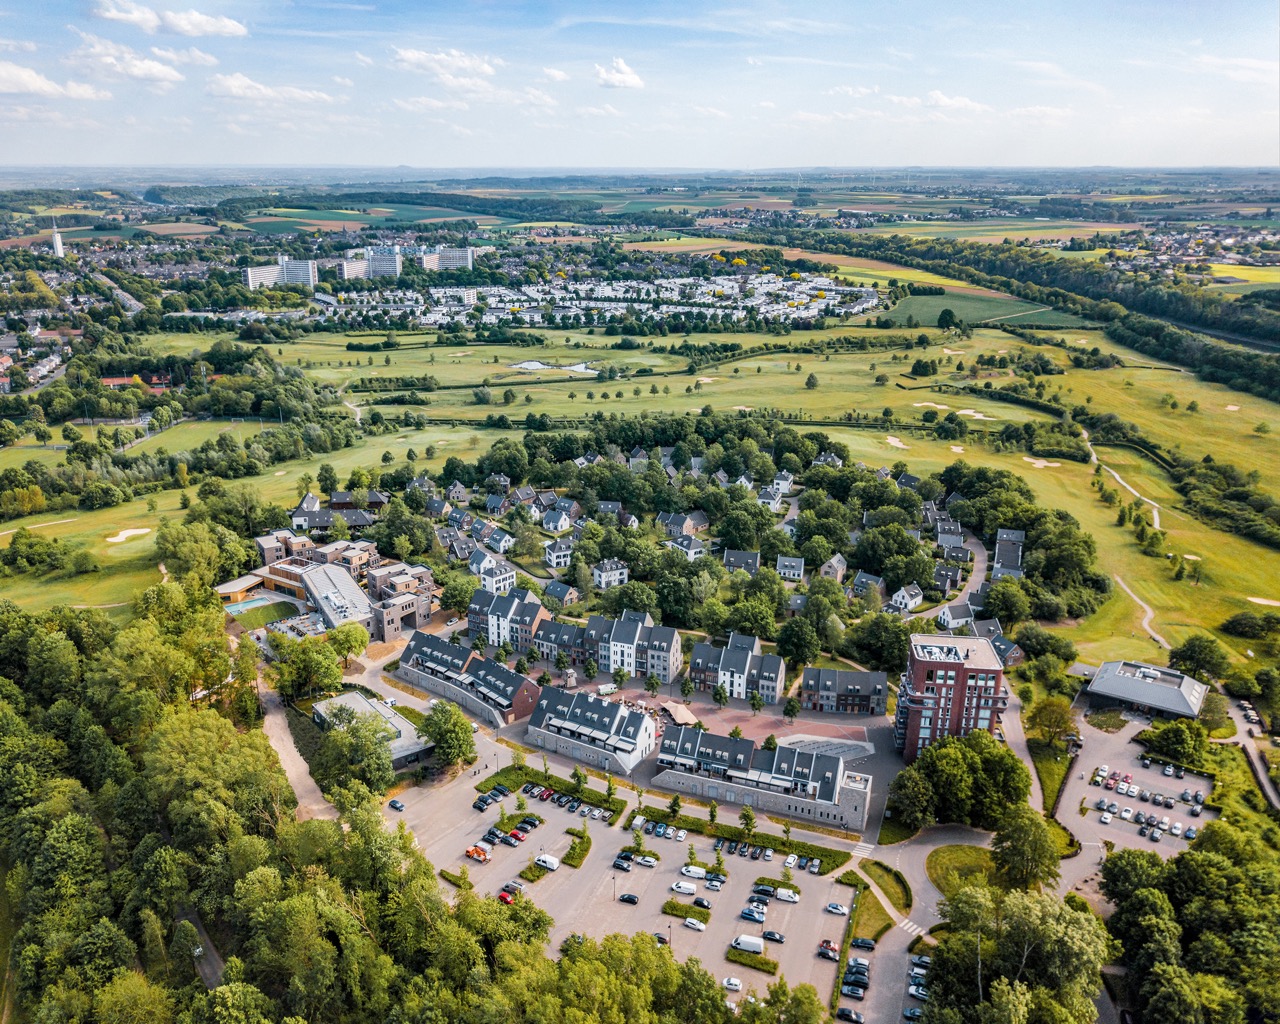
[(653, 83)]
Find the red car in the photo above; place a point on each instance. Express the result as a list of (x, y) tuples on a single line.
[(1127, 779), (547, 794), (506, 898), (515, 833), (828, 944), (1109, 784)]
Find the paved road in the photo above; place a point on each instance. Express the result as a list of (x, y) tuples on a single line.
[(1155, 509), (210, 965), (1015, 736), (977, 574), (1148, 614)]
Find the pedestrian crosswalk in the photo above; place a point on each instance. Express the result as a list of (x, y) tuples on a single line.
[(910, 927), (864, 849)]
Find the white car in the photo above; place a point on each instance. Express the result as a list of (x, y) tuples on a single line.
[(452, 622), (918, 992), (595, 815), (839, 909), (1106, 818), (1175, 829), (646, 861), (1127, 814), (768, 854), (680, 836), (791, 860), (714, 885), (695, 924), (733, 984)]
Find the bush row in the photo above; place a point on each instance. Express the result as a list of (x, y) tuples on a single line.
[(756, 961)]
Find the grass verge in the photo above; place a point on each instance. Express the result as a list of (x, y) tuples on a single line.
[(893, 831), (756, 961), (778, 883), (1108, 721), (532, 872), (1051, 763), (579, 848), (675, 908), (949, 867), (891, 883), (869, 921)]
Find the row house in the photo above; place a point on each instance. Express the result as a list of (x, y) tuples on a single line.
[(591, 730), (512, 618), (740, 667), (631, 642), (484, 687), (844, 691)]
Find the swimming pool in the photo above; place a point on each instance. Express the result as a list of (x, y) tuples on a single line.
[(244, 606)]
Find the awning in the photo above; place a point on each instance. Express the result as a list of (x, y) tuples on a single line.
[(680, 713)]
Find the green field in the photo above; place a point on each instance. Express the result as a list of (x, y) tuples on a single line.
[(973, 309), (959, 861)]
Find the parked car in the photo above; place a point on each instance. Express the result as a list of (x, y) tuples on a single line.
[(752, 914), (733, 984), (546, 794), (868, 944), (662, 939), (828, 954), (1190, 833), (680, 836), (1168, 771), (650, 827), (646, 861), (703, 902), (774, 937), (912, 1013), (1127, 814), (768, 853), (713, 885), (506, 897), (513, 886), (790, 862), (921, 961), (630, 898), (839, 909), (621, 865), (719, 845), (846, 1014), (508, 840), (695, 924), (396, 805), (1106, 818), (733, 847), (918, 992), (853, 992), (659, 831), (803, 863)]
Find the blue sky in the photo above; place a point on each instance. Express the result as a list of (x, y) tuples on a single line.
[(487, 83)]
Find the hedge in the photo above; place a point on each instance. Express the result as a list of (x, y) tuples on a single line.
[(532, 872), (682, 910), (756, 961), (579, 848), (514, 777), (831, 859), (778, 883), (457, 881)]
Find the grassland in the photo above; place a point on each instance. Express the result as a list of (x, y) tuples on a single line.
[(256, 618), (891, 883), (870, 919)]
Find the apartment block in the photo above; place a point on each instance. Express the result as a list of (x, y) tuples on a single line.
[(952, 685), (631, 642), (740, 667)]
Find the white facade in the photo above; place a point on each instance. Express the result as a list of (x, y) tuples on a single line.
[(385, 261), (285, 271)]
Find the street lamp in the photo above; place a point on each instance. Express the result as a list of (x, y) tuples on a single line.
[(669, 938), (615, 888)]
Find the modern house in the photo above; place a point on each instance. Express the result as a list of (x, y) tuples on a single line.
[(790, 568), (558, 553), (747, 561), (511, 618), (908, 598), (402, 738), (1147, 688), (844, 691), (690, 547), (631, 642), (485, 688), (591, 730), (609, 573), (797, 783), (834, 568)]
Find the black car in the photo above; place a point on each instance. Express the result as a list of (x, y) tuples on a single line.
[(853, 991), (626, 855), (763, 890), (1178, 773), (828, 954), (757, 901), (733, 847), (501, 789), (662, 939), (743, 850), (756, 852), (629, 897), (804, 863), (703, 902), (844, 1013), (771, 936), (719, 845), (527, 788), (508, 840), (861, 978), (649, 827), (1144, 830), (863, 944), (529, 824), (715, 876), (621, 865)]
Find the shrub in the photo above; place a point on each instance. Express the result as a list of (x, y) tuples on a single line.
[(756, 961), (579, 848), (675, 908)]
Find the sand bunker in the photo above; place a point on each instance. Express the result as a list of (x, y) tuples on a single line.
[(931, 405), (707, 380), (1233, 408), (1265, 600), (124, 535), (1040, 463), (278, 472), (958, 449), (1192, 558), (895, 442), (952, 351), (743, 408), (975, 414)]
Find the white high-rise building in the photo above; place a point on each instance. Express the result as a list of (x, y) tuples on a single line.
[(353, 270), (385, 261), (57, 241), (285, 271)]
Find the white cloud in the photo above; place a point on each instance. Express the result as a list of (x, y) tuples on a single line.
[(346, 83), (905, 101), (14, 78), (855, 91), (419, 103), (17, 46), (362, 59), (1041, 114), (608, 110), (447, 63), (1046, 72), (755, 62), (556, 75), (1241, 69), (116, 60), (188, 56), (767, 104), (618, 76), (183, 23), (939, 99), (242, 87), (710, 112)]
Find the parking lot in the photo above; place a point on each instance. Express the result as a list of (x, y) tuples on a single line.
[(1119, 755)]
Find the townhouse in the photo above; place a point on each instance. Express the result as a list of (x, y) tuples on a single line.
[(740, 667)]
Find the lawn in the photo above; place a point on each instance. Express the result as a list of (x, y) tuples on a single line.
[(1237, 794), (891, 883), (256, 618), (870, 919), (949, 867), (893, 831), (970, 308)]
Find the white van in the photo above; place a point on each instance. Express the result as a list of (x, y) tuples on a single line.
[(749, 943), (787, 895), (606, 688), (683, 888), (637, 823), (391, 702), (690, 871), (545, 860)]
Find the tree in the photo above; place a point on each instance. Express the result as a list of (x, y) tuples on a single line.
[(947, 320), (811, 381), (798, 641), (1200, 655), (610, 787), (686, 688), (713, 810), (327, 478), (619, 676), (757, 703), (720, 695), (770, 742), (303, 667), (589, 669), (652, 685), (579, 778), (673, 808), (1182, 740), (348, 639), (1052, 718), (735, 733), (1023, 849), (791, 709), (747, 819), (911, 797), (450, 730), (338, 529), (1008, 602), (355, 747)]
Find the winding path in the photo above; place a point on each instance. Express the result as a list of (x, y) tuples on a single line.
[(1155, 509), (1147, 614)]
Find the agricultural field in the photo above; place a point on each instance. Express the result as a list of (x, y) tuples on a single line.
[(973, 309), (997, 229), (284, 220)]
